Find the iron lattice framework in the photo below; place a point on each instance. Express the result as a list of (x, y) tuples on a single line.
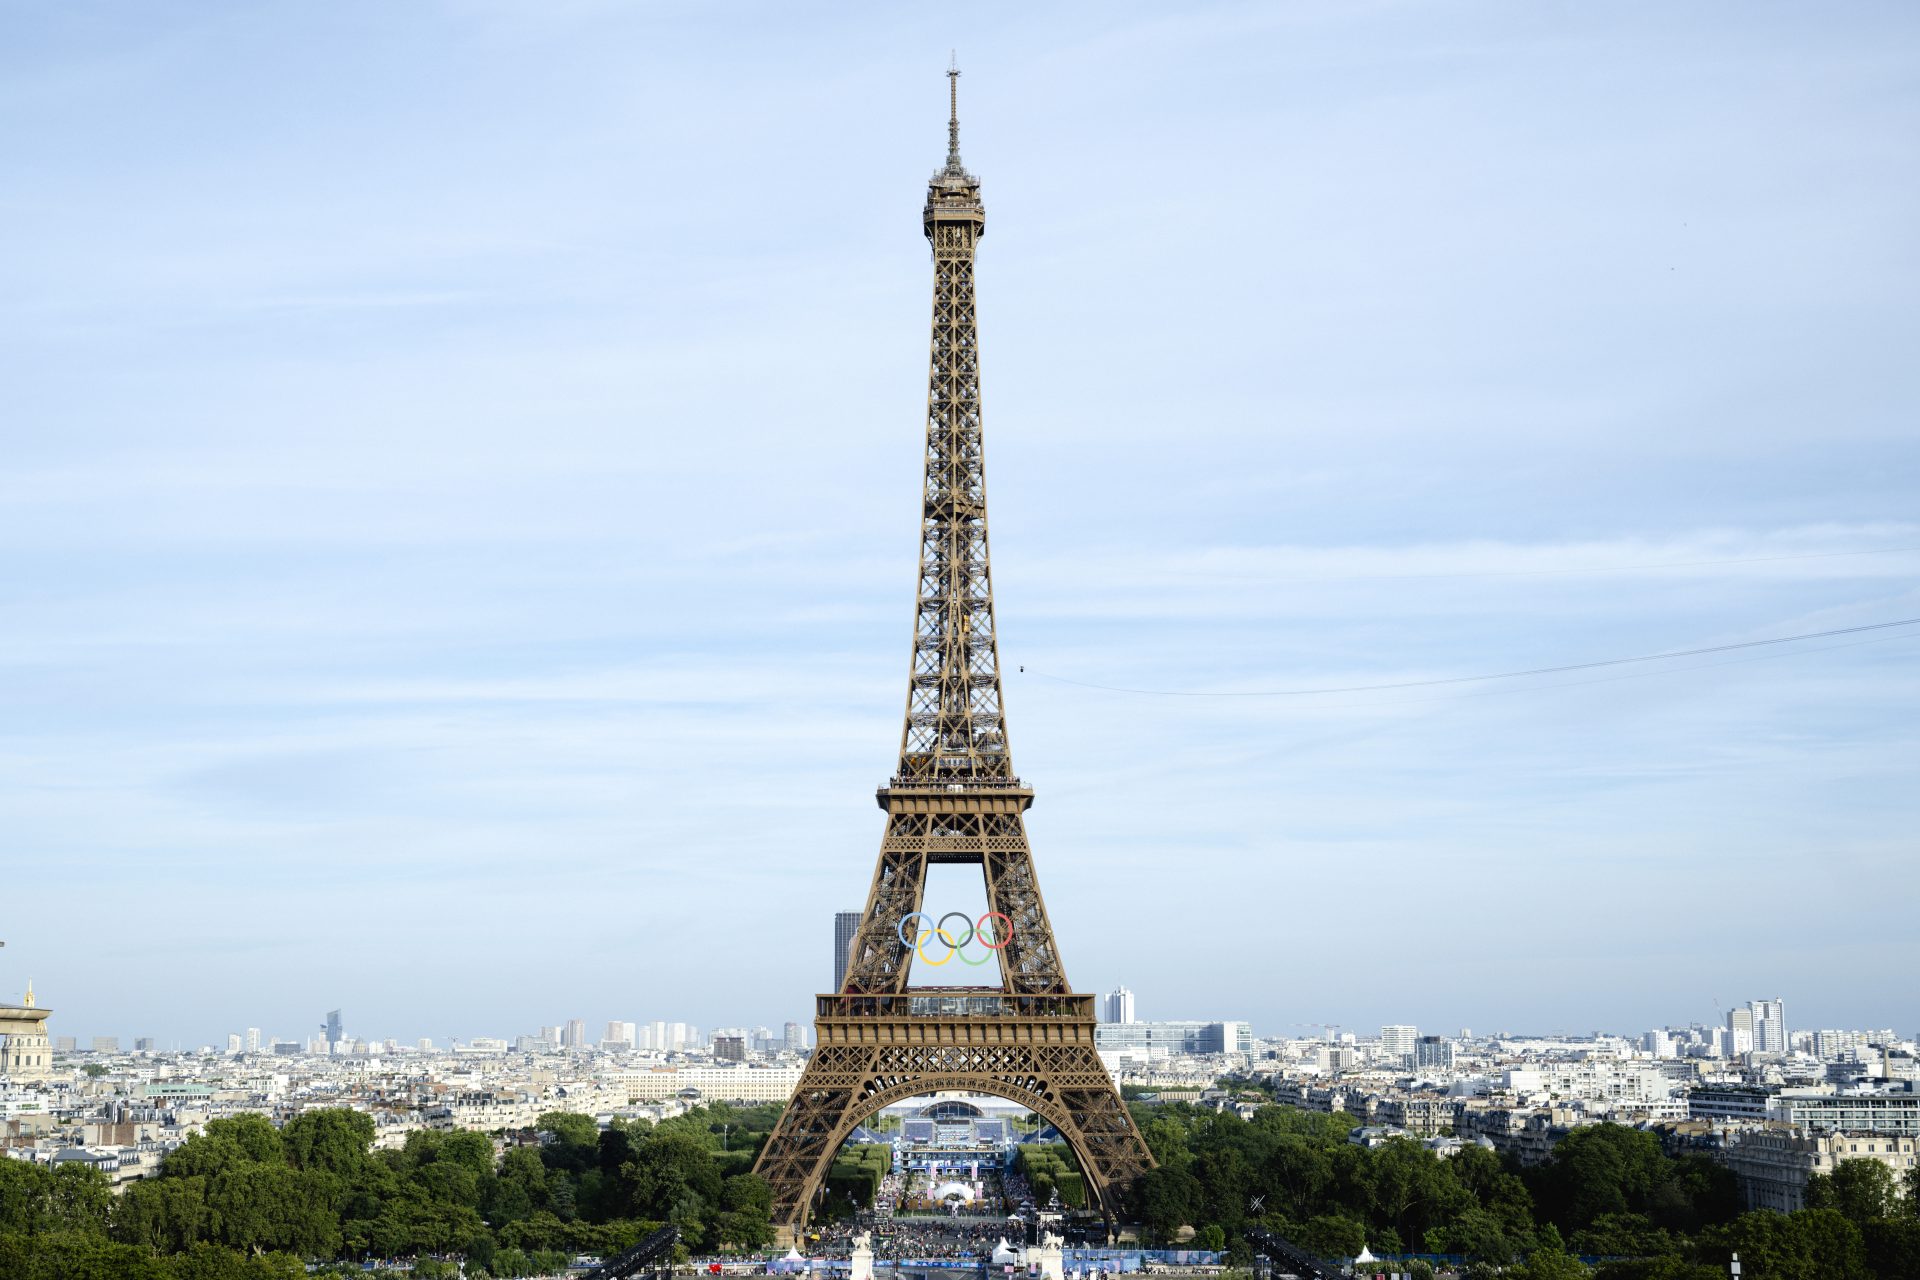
[(953, 799)]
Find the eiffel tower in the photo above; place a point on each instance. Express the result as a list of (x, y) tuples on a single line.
[(954, 799)]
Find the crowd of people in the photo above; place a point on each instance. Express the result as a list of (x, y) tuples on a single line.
[(918, 1194), (962, 1239)]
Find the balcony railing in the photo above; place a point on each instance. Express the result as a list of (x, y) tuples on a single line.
[(956, 1002)]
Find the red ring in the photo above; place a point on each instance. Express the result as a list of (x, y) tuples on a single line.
[(1004, 937)]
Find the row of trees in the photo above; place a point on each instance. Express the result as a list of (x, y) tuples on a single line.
[(1051, 1169), (247, 1201), (1607, 1192)]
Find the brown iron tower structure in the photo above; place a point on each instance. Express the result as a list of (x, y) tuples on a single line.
[(953, 799)]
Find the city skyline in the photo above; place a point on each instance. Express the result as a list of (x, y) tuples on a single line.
[(485, 566), (699, 1031)]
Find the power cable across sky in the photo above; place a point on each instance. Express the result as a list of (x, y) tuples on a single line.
[(1478, 679)]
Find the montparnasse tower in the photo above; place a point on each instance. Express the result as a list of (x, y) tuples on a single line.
[(954, 799)]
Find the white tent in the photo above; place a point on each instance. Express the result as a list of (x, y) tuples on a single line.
[(1004, 1253), (1365, 1256)]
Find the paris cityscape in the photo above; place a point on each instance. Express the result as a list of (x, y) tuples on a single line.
[(1457, 574)]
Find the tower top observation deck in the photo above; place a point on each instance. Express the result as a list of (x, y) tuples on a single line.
[(953, 194)]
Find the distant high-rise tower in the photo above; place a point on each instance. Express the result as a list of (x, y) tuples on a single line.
[(845, 925), (1396, 1043), (574, 1034), (333, 1031), (1433, 1051), (1769, 1026), (1118, 1006), (1739, 1032)]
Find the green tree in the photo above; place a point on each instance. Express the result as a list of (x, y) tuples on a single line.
[(1169, 1199), (1813, 1244), (1411, 1191), (573, 1140), (334, 1140), (1601, 1169), (470, 1151), (1893, 1247), (23, 1196), (1625, 1235), (518, 1189), (211, 1262), (672, 1178), (538, 1230), (1331, 1235), (1481, 1234), (166, 1214), (444, 1182), (72, 1198), (253, 1133), (1296, 1173), (73, 1255), (1659, 1269), (746, 1193), (1862, 1191), (268, 1206), (511, 1262), (204, 1155), (79, 1199), (409, 1225), (1166, 1138), (1487, 1179), (1550, 1264)]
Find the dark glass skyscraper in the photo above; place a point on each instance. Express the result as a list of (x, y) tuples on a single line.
[(845, 925)]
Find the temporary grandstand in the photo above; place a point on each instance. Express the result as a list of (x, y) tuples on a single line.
[(956, 1126)]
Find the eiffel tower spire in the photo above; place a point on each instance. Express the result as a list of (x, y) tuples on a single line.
[(953, 112), (954, 799), (955, 729)]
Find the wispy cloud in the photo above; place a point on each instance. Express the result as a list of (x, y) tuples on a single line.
[(461, 493)]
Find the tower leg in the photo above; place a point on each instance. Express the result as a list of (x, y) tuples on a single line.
[(1066, 1084)]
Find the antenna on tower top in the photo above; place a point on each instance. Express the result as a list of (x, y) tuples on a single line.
[(953, 109)]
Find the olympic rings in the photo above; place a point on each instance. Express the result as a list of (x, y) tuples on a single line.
[(993, 931)]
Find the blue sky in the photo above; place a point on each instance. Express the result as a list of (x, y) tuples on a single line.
[(458, 520)]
